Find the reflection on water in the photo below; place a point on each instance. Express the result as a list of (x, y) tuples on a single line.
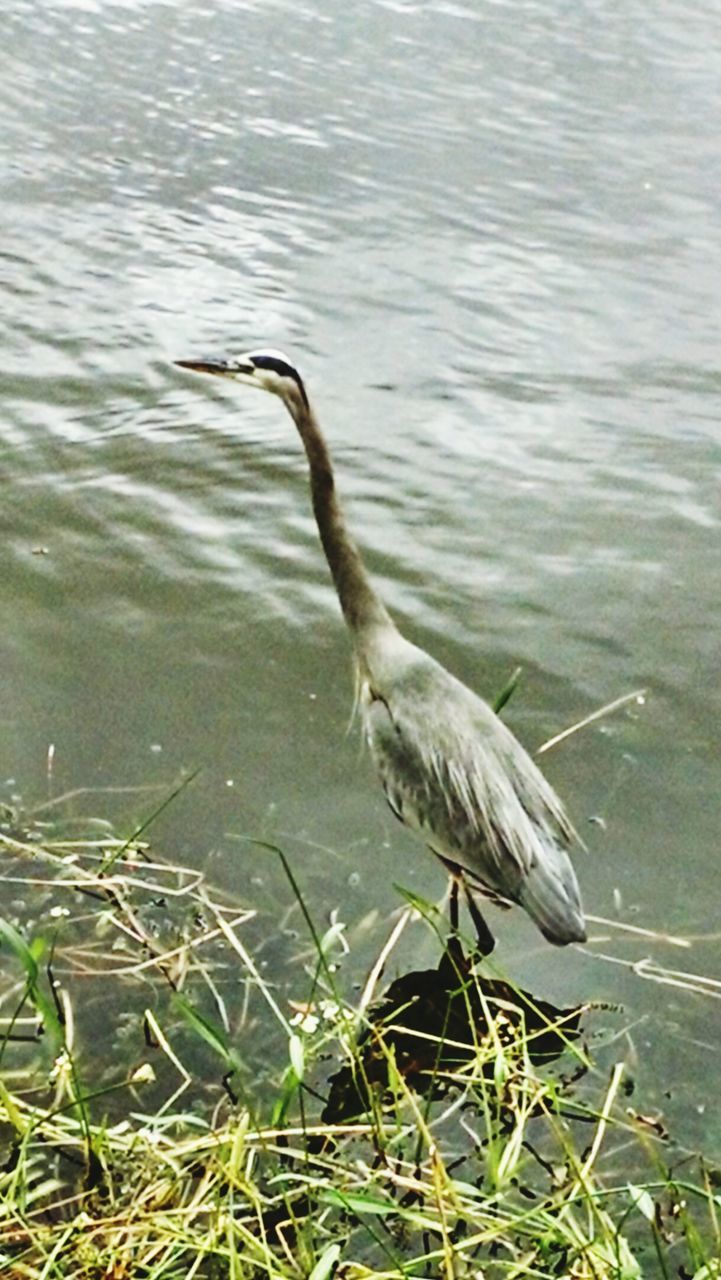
[(489, 238)]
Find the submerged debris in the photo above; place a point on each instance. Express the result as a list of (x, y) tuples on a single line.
[(430, 1024)]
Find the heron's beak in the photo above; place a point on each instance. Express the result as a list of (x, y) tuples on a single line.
[(222, 368)]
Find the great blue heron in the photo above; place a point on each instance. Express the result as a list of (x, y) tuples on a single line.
[(450, 768)]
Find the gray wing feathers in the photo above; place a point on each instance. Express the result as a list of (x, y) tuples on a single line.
[(549, 893), (452, 770)]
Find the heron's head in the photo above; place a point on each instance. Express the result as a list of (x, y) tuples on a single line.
[(268, 370)]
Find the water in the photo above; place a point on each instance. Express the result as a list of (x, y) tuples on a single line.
[(489, 237)]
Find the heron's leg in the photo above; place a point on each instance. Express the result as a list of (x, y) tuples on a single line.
[(455, 877), (453, 903), (486, 940)]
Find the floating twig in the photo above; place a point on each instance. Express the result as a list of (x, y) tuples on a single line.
[(638, 696)]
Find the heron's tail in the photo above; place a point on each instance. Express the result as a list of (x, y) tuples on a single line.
[(549, 893)]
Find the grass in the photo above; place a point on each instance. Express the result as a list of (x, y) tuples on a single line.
[(175, 1103)]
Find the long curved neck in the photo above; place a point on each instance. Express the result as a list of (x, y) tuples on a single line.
[(362, 607)]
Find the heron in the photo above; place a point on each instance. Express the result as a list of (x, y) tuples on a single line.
[(450, 768)]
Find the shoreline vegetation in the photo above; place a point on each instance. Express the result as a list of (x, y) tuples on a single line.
[(176, 1102)]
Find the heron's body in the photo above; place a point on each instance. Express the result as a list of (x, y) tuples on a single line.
[(452, 771), (450, 768)]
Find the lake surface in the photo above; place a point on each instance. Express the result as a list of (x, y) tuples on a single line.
[(489, 237)]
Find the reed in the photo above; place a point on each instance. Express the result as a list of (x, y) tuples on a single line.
[(173, 1106)]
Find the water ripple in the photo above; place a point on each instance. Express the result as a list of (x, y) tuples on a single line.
[(490, 238)]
